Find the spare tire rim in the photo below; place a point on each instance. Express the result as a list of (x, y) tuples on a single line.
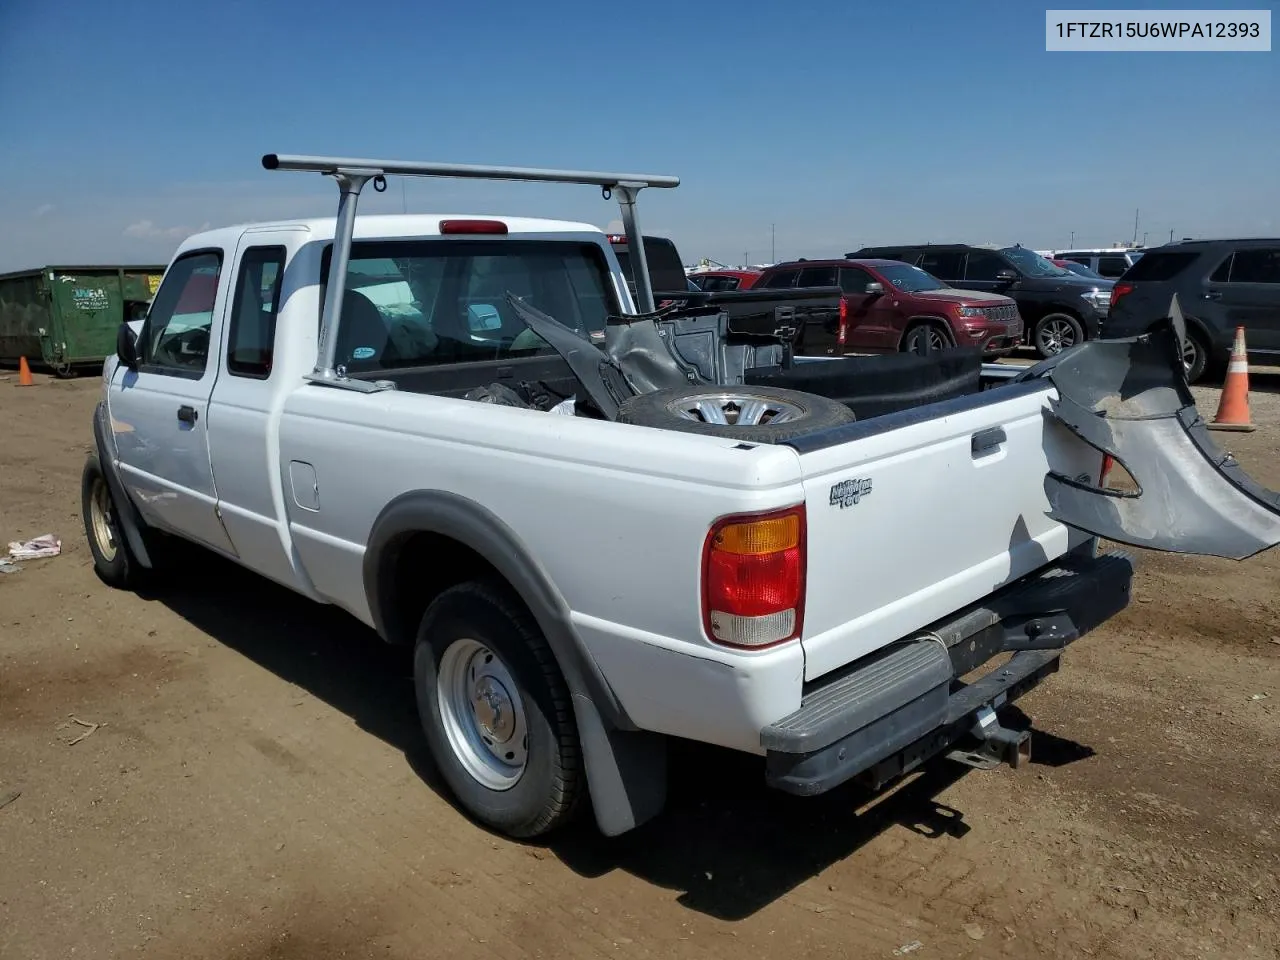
[(735, 409)]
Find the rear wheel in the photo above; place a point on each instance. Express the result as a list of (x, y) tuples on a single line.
[(1056, 332), (496, 711), (925, 338)]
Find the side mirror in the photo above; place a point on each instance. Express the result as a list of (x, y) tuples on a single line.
[(127, 346), (1007, 276), (874, 288)]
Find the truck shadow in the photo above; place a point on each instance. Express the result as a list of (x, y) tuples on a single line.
[(729, 844)]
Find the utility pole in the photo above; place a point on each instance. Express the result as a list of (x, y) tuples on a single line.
[(1135, 226), (1171, 236), (1072, 244)]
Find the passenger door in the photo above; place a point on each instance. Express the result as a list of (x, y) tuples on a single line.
[(871, 317), (1246, 287), (159, 411), (981, 272), (820, 324)]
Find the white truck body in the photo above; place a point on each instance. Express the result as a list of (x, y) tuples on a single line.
[(599, 527)]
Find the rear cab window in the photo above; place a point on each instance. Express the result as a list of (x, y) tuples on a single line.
[(414, 303)]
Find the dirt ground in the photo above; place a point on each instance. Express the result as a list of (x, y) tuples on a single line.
[(257, 786)]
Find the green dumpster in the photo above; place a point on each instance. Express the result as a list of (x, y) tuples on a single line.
[(66, 318)]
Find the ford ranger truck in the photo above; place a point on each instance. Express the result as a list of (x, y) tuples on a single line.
[(464, 432)]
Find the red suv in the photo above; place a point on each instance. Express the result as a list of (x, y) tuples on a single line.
[(887, 305)]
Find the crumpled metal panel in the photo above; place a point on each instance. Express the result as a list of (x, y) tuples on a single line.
[(1129, 398)]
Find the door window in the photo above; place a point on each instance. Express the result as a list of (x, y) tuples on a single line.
[(1112, 266), (175, 336), (1261, 265), (782, 278), (984, 266), (817, 277), (854, 280), (944, 264), (252, 335)]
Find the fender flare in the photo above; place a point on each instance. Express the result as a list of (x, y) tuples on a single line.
[(127, 515), (626, 767)]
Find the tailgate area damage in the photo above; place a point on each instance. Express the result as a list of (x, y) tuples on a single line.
[(1130, 400)]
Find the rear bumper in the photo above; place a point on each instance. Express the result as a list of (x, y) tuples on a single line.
[(888, 713)]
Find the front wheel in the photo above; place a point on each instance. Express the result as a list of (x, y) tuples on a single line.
[(113, 560), (925, 338), (1056, 332), (496, 711)]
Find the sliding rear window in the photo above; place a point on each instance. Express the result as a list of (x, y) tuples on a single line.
[(414, 303)]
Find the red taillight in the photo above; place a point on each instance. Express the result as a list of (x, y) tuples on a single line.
[(753, 569), (472, 226), (1108, 461), (1119, 290), (843, 329)]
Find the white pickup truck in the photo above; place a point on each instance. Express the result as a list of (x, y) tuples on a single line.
[(370, 411)]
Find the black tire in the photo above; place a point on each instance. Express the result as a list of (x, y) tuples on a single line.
[(661, 409), (1197, 349), (1050, 332), (113, 560), (921, 336), (549, 788)]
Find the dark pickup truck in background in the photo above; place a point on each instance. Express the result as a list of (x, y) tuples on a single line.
[(781, 313)]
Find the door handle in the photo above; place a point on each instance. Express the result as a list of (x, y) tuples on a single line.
[(1213, 295), (188, 414), (986, 441)]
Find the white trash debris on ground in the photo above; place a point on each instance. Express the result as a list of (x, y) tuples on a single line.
[(46, 545)]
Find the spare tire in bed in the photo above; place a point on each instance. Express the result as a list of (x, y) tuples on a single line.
[(754, 414)]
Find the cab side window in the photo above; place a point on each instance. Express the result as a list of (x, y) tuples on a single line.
[(252, 334), (175, 336)]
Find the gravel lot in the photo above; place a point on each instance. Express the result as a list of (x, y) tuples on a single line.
[(257, 785)]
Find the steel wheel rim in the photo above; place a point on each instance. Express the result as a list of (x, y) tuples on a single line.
[(482, 714), (727, 408), (1057, 335), (102, 520)]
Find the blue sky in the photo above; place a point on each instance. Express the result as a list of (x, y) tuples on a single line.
[(128, 124)]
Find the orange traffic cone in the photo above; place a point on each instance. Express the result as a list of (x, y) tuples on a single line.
[(24, 373), (1233, 408)]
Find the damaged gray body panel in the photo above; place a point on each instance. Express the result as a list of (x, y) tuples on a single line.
[(1129, 399), (641, 353)]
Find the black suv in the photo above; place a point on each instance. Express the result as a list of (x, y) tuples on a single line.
[(1221, 285), (1059, 308)]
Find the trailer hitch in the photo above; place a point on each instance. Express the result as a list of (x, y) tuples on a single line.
[(996, 744)]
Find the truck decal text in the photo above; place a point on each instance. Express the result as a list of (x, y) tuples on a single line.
[(847, 493)]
